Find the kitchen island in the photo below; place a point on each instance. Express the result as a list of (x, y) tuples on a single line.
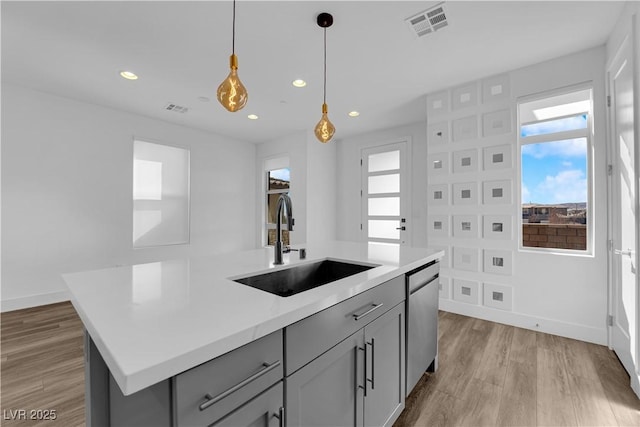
[(151, 322)]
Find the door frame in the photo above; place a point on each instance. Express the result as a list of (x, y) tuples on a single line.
[(405, 180), (614, 212)]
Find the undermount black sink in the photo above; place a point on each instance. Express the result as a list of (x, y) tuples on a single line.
[(300, 278)]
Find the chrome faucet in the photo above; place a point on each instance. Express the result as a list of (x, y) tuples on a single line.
[(284, 201)]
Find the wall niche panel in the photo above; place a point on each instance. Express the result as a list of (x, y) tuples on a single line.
[(497, 296), (497, 157), (465, 258), (496, 192), (465, 161), (499, 227), (438, 225), (438, 164), (496, 88), (465, 226), (438, 133), (465, 193), (466, 291), (438, 194), (465, 128), (496, 123), (464, 96), (438, 103), (497, 261)]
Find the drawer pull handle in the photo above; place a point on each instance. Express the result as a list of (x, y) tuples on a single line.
[(280, 416), (210, 400), (373, 362), (371, 310)]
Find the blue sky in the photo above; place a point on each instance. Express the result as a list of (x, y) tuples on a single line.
[(555, 172), (282, 174)]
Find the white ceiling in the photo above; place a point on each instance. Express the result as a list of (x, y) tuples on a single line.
[(181, 49)]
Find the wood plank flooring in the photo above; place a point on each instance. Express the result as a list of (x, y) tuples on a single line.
[(42, 366), (489, 375), (495, 375)]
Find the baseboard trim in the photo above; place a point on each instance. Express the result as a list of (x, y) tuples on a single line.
[(549, 326), (33, 301)]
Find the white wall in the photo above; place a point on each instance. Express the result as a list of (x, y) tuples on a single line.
[(557, 294), (560, 294), (67, 192), (349, 154), (313, 185)]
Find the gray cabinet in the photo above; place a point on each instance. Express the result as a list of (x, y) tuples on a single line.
[(206, 393), (358, 380), (266, 410), (327, 391), (384, 341)]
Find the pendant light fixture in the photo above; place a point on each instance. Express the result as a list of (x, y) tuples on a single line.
[(324, 129), (231, 92)]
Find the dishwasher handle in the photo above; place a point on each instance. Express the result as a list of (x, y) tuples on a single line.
[(423, 284), (423, 276)]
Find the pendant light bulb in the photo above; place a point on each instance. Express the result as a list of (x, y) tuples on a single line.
[(324, 129), (231, 93)]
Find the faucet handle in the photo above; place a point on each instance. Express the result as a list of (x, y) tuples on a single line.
[(286, 249)]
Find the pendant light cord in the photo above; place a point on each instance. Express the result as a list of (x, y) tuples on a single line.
[(233, 30), (324, 99)]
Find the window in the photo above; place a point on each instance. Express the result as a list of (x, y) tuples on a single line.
[(556, 171), (278, 182), (160, 195)]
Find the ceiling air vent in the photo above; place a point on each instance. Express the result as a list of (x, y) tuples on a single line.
[(429, 21), (176, 108)]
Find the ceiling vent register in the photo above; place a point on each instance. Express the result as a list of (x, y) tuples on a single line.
[(176, 108), (429, 21)]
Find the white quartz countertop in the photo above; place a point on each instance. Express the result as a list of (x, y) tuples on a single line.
[(153, 321)]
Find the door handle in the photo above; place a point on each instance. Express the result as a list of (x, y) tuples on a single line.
[(373, 362), (628, 252), (403, 228), (364, 387)]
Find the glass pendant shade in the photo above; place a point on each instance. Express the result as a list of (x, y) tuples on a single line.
[(231, 93), (324, 129)]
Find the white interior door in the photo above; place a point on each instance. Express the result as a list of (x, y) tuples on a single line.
[(385, 194), (624, 260)]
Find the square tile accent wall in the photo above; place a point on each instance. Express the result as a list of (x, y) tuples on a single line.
[(471, 181)]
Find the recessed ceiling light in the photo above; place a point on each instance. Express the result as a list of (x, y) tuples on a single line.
[(299, 83), (252, 117), (353, 114), (128, 75)]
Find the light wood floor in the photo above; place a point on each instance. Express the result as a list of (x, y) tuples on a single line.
[(495, 375), (489, 374), (42, 365)]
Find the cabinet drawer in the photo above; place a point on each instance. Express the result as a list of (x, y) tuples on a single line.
[(312, 336), (210, 391)]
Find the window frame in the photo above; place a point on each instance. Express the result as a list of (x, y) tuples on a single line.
[(270, 165), (586, 133), (187, 196)]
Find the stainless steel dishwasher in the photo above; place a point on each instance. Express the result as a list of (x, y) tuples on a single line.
[(422, 321)]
